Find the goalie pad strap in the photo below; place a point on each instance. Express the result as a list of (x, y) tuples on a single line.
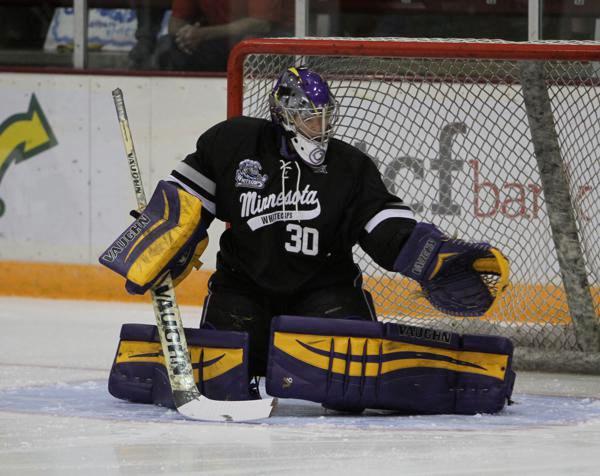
[(167, 236), (350, 365), (219, 360)]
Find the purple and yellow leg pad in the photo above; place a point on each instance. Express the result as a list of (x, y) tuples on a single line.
[(219, 360), (349, 364)]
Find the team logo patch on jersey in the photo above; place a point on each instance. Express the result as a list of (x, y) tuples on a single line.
[(248, 175)]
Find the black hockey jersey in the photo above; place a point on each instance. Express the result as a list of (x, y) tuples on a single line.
[(292, 226)]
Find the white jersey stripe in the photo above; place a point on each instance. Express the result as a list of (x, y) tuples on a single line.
[(386, 214), (196, 177), (206, 203)]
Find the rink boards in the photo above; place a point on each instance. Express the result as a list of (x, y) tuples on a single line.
[(65, 189)]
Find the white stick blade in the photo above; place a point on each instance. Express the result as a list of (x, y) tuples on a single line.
[(202, 408)]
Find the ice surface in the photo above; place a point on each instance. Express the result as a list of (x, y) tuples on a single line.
[(56, 417), (90, 399)]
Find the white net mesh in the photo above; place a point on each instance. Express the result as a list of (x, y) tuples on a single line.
[(452, 137)]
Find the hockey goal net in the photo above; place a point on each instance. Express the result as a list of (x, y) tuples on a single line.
[(491, 141)]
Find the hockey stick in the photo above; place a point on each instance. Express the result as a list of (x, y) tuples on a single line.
[(188, 400)]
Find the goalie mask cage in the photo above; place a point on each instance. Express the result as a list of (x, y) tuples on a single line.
[(489, 140)]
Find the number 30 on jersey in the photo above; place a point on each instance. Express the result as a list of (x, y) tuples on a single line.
[(303, 240)]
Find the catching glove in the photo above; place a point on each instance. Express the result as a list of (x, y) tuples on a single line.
[(457, 277)]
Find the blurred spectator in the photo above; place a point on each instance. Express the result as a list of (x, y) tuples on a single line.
[(149, 20), (24, 27), (456, 25), (581, 28), (202, 32)]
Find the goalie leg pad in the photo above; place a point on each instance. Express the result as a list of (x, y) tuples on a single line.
[(355, 364), (169, 235), (219, 360)]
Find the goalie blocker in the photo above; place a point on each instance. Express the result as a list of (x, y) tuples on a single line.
[(168, 235), (351, 365)]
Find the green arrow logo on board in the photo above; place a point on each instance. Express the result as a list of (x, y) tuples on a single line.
[(22, 136)]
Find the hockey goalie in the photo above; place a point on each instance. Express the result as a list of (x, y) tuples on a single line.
[(286, 300)]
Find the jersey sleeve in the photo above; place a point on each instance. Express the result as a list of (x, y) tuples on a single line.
[(271, 10), (185, 10), (383, 220), (196, 173)]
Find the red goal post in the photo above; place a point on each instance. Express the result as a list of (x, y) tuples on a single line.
[(492, 141)]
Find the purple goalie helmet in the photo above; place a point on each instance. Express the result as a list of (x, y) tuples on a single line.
[(303, 105)]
